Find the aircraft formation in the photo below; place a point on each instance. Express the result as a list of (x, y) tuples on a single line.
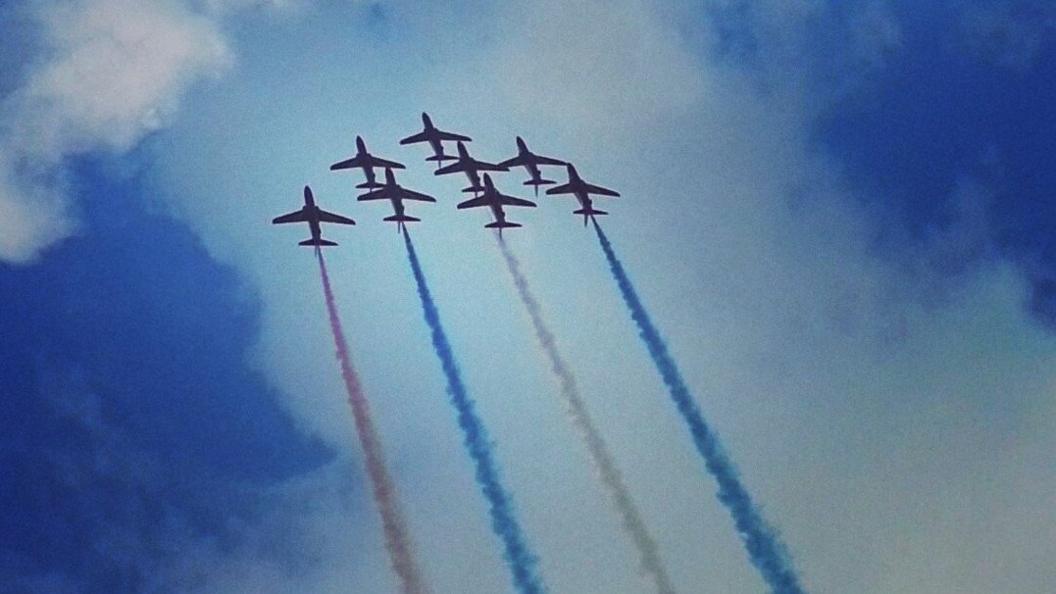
[(485, 194), (765, 550)]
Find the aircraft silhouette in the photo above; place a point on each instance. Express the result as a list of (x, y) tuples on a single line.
[(313, 215), (471, 167), (396, 194), (531, 162), (435, 138), (582, 191), (367, 162), (495, 200)]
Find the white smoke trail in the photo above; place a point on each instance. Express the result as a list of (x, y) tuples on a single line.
[(604, 463)]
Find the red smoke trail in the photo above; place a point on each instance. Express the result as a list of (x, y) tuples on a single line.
[(397, 540)]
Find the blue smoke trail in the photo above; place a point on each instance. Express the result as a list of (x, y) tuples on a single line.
[(521, 561), (765, 550)]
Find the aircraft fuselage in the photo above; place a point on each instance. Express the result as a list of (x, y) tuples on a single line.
[(368, 172), (498, 212), (313, 226), (474, 179), (311, 212), (584, 199), (437, 146), (533, 171)]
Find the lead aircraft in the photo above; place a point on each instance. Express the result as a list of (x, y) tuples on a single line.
[(435, 137), (495, 200), (471, 167)]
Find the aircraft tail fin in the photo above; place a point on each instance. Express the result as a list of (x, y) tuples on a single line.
[(442, 158), (588, 214), (501, 225), (474, 189), (401, 219), (539, 182), (369, 186), (318, 242)]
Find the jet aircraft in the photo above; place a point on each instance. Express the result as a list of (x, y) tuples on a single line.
[(396, 194), (435, 138), (495, 200), (471, 167), (531, 162), (367, 162), (582, 191), (313, 215)]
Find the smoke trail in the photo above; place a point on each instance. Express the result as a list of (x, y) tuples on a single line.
[(576, 409), (765, 551), (397, 540), (521, 561)]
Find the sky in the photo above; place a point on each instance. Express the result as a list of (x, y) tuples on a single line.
[(838, 214)]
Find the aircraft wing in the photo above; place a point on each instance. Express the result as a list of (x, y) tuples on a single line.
[(541, 160), (452, 168), (413, 138), (412, 195), (562, 189), (379, 194), (452, 136), (293, 217), (514, 162), (599, 190), (329, 217), (383, 163), (348, 164), (514, 201), (482, 166), (474, 203)]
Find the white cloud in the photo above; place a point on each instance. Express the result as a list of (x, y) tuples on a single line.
[(33, 214), (308, 537), (118, 69), (876, 424), (222, 7), (592, 63), (112, 72)]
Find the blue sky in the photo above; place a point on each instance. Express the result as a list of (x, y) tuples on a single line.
[(839, 215)]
